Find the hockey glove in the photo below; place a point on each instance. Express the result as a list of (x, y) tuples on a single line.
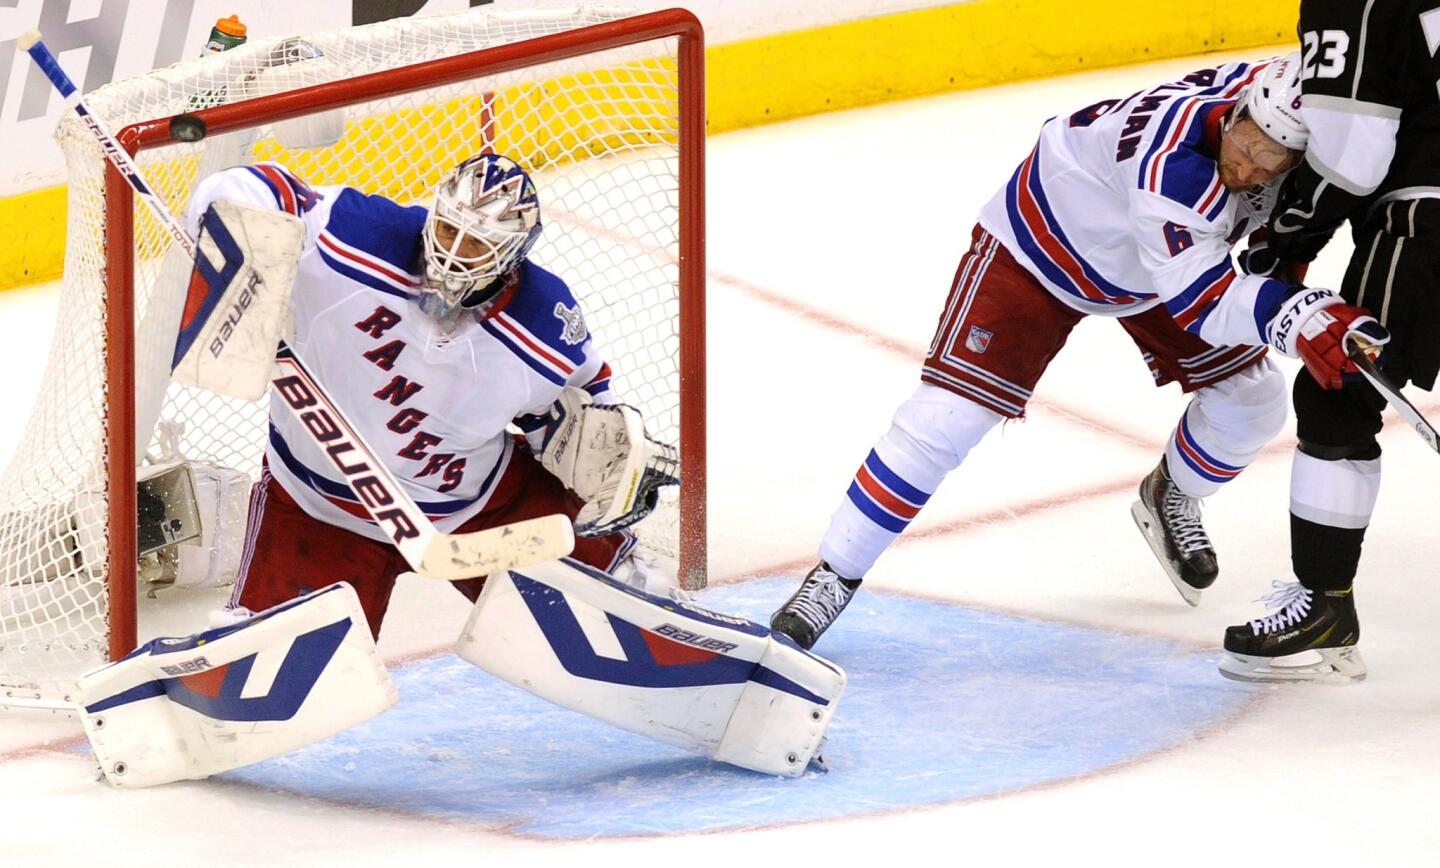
[(1297, 230), (1261, 259), (1299, 245), (601, 453), (1314, 325)]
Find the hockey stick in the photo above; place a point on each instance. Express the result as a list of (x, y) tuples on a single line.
[(1402, 405), (428, 551)]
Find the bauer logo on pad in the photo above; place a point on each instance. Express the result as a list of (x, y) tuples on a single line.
[(978, 341)]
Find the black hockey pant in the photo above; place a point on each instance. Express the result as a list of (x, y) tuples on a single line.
[(1395, 273)]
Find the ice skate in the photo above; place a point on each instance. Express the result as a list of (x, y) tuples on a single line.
[(821, 598), (1307, 636), (1170, 521)]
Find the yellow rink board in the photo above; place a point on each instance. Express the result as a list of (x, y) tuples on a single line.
[(961, 46)]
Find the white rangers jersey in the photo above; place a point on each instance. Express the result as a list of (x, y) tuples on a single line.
[(433, 404), (1120, 207)]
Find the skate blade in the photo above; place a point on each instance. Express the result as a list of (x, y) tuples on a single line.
[(1145, 523), (1321, 666)]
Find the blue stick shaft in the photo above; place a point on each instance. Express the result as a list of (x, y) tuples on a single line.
[(51, 67), (116, 154)]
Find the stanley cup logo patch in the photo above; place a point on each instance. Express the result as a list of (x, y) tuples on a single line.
[(573, 323), (978, 341)]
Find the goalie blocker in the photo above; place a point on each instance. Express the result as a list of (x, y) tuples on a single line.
[(237, 307), (716, 684)]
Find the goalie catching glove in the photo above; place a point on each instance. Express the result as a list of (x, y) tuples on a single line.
[(602, 453)]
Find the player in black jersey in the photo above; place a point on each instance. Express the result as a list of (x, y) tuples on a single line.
[(1370, 99)]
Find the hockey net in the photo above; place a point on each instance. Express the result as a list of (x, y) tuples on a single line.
[(603, 107)]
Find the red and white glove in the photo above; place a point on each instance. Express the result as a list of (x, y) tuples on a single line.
[(1315, 325)]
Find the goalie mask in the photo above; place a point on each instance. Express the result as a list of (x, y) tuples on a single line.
[(485, 219)]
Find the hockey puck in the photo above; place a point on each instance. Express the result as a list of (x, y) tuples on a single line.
[(187, 128)]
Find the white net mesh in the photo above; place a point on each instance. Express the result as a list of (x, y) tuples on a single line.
[(599, 133)]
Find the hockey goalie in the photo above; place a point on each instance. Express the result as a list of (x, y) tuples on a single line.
[(470, 372)]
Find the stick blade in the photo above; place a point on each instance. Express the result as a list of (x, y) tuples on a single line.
[(452, 557)]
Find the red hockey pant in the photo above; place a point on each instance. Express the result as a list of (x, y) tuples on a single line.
[(1000, 329)]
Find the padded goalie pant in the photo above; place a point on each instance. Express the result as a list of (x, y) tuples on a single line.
[(997, 335), (289, 553), (1335, 479)]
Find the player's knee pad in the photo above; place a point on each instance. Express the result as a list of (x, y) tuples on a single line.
[(1336, 491), (663, 668), (942, 425), (177, 709), (1248, 409)]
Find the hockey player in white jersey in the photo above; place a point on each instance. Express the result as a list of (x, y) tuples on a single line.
[(1126, 208), (433, 331)]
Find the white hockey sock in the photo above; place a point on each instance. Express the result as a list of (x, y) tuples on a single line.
[(931, 434), (1225, 427), (1334, 493)]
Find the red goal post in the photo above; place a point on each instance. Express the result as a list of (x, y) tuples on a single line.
[(614, 135)]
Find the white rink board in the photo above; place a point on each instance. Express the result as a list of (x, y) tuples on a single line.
[(122, 38)]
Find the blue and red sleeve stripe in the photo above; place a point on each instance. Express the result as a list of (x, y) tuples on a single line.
[(291, 194), (1192, 307), (1039, 234), (600, 383)]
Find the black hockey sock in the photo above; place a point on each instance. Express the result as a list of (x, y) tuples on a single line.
[(1325, 558)]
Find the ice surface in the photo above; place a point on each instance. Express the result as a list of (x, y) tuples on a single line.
[(944, 703)]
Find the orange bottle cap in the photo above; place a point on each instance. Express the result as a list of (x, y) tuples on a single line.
[(231, 26)]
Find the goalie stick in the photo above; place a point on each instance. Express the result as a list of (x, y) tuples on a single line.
[(1387, 389), (429, 552)]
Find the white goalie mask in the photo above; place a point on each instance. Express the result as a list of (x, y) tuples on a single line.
[(485, 219)]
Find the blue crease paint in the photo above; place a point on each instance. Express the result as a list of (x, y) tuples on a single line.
[(943, 704)]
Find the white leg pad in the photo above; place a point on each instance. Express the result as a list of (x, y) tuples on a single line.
[(178, 709), (716, 684), (777, 731)]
